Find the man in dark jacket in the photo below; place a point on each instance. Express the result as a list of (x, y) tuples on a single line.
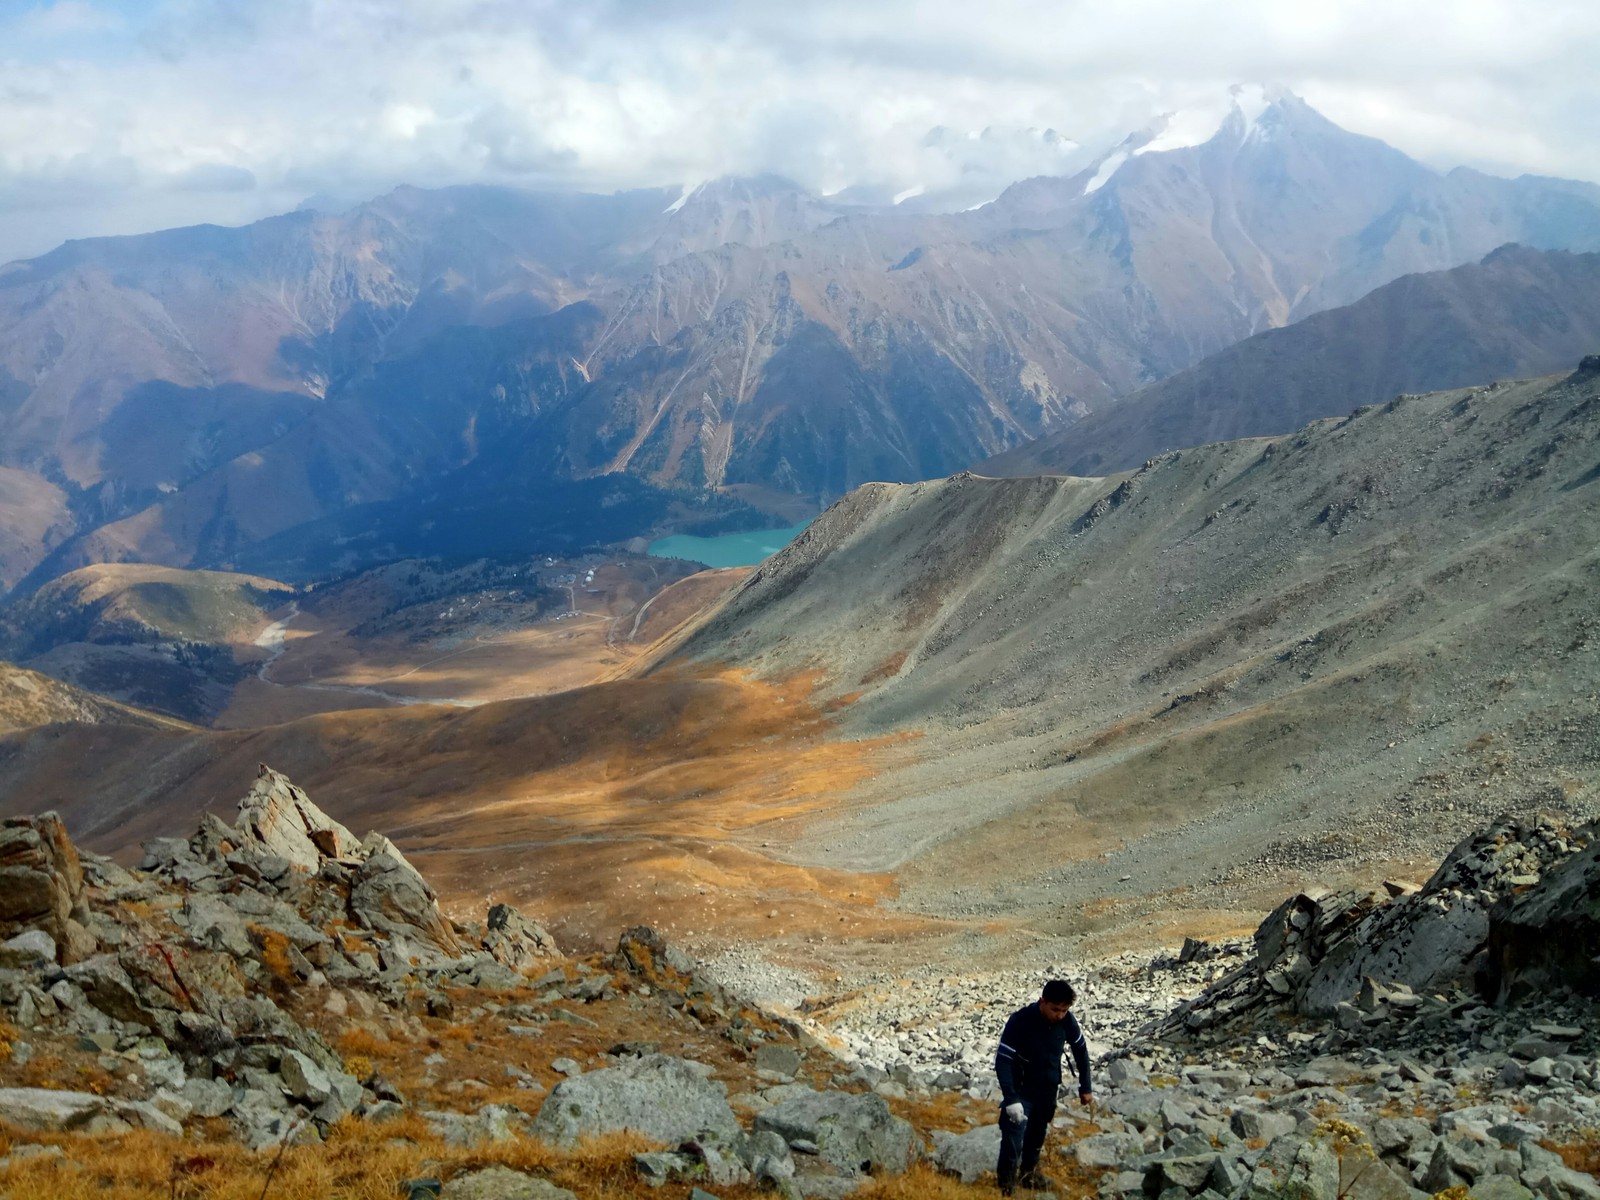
[(1029, 1066)]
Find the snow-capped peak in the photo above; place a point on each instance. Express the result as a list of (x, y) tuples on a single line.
[(1245, 104)]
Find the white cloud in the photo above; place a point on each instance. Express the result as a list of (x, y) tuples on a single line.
[(112, 111)]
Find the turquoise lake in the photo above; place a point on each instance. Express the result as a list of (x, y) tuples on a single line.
[(729, 550)]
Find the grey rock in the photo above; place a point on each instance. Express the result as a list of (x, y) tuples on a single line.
[(1532, 936), (280, 819), (774, 1056), (382, 1110), (1188, 1174), (1498, 1187), (344, 1098), (491, 1123), (1541, 1069), (664, 1098), (1455, 1161), (502, 1183), (304, 1079), (214, 923), (853, 1133), (657, 1167), (48, 1110), (1107, 1149), (1294, 1168), (1250, 1124), (514, 940), (1227, 1175), (30, 949), (391, 897), (1123, 1072), (967, 1155), (207, 1097)]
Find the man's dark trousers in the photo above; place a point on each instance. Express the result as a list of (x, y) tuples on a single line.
[(1021, 1141)]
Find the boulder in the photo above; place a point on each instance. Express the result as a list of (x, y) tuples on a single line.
[(391, 897), (853, 1133), (207, 1097), (664, 1098), (279, 819), (47, 1110), (1549, 936), (1295, 1168), (215, 924), (515, 941), (778, 1058), (502, 1183), (41, 884), (304, 1079), (30, 950), (967, 1155), (1498, 1187), (1105, 1149), (491, 1123), (1424, 941), (649, 956)]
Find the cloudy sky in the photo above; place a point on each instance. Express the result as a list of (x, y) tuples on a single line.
[(126, 115)]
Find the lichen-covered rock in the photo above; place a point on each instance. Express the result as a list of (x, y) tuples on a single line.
[(1423, 941), (853, 1133), (1295, 1168), (967, 1155), (664, 1098)]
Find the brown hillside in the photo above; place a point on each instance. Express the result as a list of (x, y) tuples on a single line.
[(1164, 688)]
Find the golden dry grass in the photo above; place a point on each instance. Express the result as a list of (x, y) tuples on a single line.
[(360, 1161), (1583, 1155)]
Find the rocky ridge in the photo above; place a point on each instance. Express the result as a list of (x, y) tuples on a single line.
[(1375, 1047), (1395, 1043)]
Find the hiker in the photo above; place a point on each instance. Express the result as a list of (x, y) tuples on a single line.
[(1029, 1066)]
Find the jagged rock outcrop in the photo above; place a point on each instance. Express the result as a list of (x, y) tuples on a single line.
[(278, 818), (1352, 953), (196, 957), (514, 940), (1549, 936), (41, 882)]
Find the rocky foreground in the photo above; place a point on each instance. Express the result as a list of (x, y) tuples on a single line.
[(283, 988)]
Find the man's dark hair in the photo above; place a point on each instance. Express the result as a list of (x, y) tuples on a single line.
[(1059, 991)]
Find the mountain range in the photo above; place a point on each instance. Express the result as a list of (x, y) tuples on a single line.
[(1078, 703), (483, 370), (1518, 313)]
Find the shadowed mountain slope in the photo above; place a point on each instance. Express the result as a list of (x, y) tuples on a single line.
[(1518, 313), (164, 639), (1340, 643)]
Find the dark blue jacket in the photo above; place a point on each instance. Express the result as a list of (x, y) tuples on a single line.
[(1028, 1062)]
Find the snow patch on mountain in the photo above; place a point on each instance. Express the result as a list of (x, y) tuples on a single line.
[(1108, 168)]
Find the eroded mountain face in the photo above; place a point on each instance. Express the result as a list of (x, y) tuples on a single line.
[(1519, 313), (194, 396)]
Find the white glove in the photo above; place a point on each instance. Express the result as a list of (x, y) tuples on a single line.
[(1014, 1112)]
